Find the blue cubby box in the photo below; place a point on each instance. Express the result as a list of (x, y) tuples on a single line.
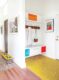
[(27, 52)]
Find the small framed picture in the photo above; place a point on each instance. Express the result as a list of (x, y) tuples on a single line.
[(50, 25), (13, 25)]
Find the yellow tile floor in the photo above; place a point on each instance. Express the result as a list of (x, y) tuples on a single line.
[(44, 67)]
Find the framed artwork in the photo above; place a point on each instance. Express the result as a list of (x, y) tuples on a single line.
[(32, 17), (14, 25), (50, 25)]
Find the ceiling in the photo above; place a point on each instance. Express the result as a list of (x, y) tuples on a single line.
[(2, 2)]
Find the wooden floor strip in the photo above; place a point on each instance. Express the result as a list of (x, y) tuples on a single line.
[(25, 77), (3, 76), (10, 77), (17, 73), (14, 74), (28, 72)]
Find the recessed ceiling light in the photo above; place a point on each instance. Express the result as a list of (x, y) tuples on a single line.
[(2, 2)]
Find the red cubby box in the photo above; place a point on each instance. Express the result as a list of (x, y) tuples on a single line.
[(43, 49)]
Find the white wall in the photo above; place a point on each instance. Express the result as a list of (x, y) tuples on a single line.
[(1, 35), (16, 41), (46, 9), (3, 16), (34, 7), (50, 10)]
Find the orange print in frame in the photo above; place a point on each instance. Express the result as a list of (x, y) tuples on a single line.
[(32, 17)]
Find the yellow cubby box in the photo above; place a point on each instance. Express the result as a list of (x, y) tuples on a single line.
[(7, 56)]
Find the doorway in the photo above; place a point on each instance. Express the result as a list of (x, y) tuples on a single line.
[(6, 35)]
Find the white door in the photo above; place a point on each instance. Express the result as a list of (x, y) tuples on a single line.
[(57, 47), (56, 27)]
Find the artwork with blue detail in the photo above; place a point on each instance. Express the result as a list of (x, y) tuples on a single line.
[(27, 52)]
